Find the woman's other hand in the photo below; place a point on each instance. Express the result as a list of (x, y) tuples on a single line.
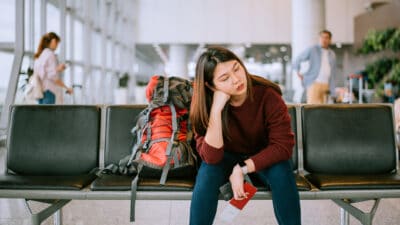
[(70, 91), (61, 67), (301, 77), (237, 180)]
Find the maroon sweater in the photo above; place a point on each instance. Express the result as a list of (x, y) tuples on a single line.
[(260, 128)]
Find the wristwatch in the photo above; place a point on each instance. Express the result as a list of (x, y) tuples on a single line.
[(243, 166)]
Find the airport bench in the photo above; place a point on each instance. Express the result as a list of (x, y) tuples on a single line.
[(348, 152)]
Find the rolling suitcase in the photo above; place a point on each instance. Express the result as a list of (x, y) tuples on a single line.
[(351, 78)]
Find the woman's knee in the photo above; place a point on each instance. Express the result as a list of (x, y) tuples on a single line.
[(281, 172), (210, 173), (212, 176)]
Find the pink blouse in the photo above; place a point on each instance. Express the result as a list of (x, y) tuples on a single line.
[(46, 67)]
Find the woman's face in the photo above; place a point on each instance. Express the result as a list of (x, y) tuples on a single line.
[(53, 44), (230, 77)]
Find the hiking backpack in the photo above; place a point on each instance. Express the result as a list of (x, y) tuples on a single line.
[(162, 136)]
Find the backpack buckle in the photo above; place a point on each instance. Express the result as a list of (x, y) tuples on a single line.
[(146, 144)]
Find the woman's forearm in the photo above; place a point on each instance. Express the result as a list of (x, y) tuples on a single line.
[(214, 136), (60, 83)]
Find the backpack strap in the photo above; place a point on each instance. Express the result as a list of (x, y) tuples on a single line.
[(157, 140), (166, 89), (171, 143), (174, 128), (137, 131), (134, 186), (175, 155), (147, 127), (165, 171), (135, 147), (111, 168), (189, 132)]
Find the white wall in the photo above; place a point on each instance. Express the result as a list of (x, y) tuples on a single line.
[(234, 21), (214, 21), (340, 18)]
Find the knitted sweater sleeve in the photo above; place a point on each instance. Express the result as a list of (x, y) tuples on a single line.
[(208, 153), (279, 133)]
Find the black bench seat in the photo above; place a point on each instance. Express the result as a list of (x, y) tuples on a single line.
[(52, 147), (350, 147)]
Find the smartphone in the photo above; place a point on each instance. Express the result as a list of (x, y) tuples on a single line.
[(226, 191)]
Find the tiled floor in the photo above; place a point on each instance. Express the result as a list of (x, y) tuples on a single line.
[(314, 212)]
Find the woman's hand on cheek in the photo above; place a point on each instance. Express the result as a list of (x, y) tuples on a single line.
[(219, 100)]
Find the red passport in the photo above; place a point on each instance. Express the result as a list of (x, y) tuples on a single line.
[(248, 188)]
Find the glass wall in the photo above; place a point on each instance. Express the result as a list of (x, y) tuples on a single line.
[(88, 39), (7, 19), (7, 31), (6, 60)]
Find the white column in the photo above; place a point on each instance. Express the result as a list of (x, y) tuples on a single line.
[(87, 54), (63, 22), (308, 18), (31, 30), (178, 61), (61, 57), (104, 13), (71, 46), (43, 17)]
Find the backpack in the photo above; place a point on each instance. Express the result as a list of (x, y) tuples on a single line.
[(162, 136), (33, 89)]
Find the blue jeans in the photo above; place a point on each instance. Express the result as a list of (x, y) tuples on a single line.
[(48, 98), (279, 177)]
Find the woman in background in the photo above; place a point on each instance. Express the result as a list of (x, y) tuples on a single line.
[(47, 67)]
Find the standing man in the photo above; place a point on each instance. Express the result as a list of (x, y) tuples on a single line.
[(319, 80)]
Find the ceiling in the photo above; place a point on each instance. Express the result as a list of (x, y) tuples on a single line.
[(258, 53)]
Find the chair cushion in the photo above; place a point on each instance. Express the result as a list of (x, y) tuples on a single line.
[(346, 182), (46, 182), (119, 140), (110, 182), (53, 140), (301, 183), (348, 139)]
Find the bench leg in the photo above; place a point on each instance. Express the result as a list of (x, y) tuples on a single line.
[(364, 217), (344, 217), (37, 219), (58, 217)]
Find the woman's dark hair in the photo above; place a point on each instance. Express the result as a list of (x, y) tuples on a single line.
[(203, 96), (45, 42)]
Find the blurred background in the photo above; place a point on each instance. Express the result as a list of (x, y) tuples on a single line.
[(112, 48)]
